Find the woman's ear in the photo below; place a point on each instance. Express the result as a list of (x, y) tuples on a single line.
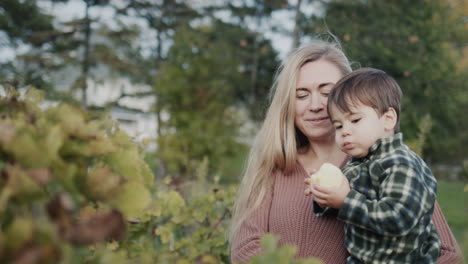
[(390, 119)]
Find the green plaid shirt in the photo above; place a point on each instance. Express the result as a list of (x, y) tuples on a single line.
[(389, 208)]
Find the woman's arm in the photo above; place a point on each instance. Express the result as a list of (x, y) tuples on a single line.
[(449, 250), (246, 243)]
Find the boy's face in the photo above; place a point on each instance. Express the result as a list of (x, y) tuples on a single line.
[(358, 130)]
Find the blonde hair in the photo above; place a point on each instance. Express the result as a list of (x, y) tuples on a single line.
[(275, 146)]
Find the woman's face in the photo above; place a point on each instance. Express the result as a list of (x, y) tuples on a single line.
[(315, 81)]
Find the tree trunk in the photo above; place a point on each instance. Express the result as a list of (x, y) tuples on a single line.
[(256, 56), (161, 165), (297, 20), (85, 65)]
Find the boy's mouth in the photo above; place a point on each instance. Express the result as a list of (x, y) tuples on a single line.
[(348, 145)]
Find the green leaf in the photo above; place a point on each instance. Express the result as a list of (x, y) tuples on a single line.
[(132, 198)]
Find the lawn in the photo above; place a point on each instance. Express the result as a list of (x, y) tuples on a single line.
[(454, 204)]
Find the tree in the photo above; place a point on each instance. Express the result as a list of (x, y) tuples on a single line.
[(416, 43), (199, 87), (23, 23), (260, 60), (161, 18), (80, 39)]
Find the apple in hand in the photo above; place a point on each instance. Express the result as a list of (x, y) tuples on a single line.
[(328, 175)]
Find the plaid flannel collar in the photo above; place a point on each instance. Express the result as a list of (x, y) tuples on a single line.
[(381, 147)]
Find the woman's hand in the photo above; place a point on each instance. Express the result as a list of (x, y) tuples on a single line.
[(329, 197)]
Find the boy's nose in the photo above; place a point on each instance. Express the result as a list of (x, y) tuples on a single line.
[(345, 131)]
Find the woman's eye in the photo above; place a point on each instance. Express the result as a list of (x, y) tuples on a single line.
[(325, 92), (356, 120), (301, 95)]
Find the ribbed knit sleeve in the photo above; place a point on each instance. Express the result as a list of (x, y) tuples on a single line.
[(450, 252), (247, 240)]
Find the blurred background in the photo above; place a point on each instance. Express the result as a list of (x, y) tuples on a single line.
[(191, 79)]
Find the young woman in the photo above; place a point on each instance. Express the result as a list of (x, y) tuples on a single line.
[(296, 138)]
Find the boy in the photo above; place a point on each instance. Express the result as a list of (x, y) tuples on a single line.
[(388, 204)]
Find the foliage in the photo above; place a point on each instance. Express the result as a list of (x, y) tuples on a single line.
[(420, 50), (75, 189), (272, 254), (17, 28), (465, 169), (68, 179), (16, 32), (424, 49), (417, 144), (199, 85)]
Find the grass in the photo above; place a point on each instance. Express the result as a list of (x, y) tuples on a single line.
[(454, 204)]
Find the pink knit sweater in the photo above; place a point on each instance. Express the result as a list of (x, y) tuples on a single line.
[(287, 212)]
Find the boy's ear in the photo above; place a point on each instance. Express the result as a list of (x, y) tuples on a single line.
[(390, 119)]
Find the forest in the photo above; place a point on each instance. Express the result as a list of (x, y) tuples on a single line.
[(76, 188)]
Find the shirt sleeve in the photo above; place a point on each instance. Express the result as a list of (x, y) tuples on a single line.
[(246, 243), (450, 252), (404, 198)]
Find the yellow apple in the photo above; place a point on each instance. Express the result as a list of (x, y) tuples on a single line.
[(328, 175)]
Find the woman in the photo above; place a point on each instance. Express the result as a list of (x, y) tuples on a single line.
[(296, 138)]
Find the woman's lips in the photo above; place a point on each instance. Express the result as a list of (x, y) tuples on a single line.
[(317, 121)]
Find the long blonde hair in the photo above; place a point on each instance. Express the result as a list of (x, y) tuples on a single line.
[(275, 146)]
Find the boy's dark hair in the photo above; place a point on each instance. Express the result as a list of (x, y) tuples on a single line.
[(367, 86)]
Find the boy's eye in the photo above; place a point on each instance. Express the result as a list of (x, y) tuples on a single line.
[(356, 120), (337, 127)]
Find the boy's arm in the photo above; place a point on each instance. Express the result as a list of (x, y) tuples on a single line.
[(323, 211), (404, 198)]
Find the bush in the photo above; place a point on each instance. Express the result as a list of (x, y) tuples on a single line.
[(75, 189)]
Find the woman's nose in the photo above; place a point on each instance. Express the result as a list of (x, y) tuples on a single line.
[(315, 103)]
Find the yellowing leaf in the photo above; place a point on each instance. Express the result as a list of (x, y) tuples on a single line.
[(112, 245), (175, 202), (127, 163), (208, 259), (19, 232), (7, 131), (132, 199), (102, 146), (102, 183), (20, 183), (199, 216)]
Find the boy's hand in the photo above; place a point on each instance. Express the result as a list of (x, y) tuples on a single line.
[(308, 181), (329, 197)]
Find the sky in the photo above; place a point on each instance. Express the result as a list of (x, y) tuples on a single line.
[(76, 9)]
